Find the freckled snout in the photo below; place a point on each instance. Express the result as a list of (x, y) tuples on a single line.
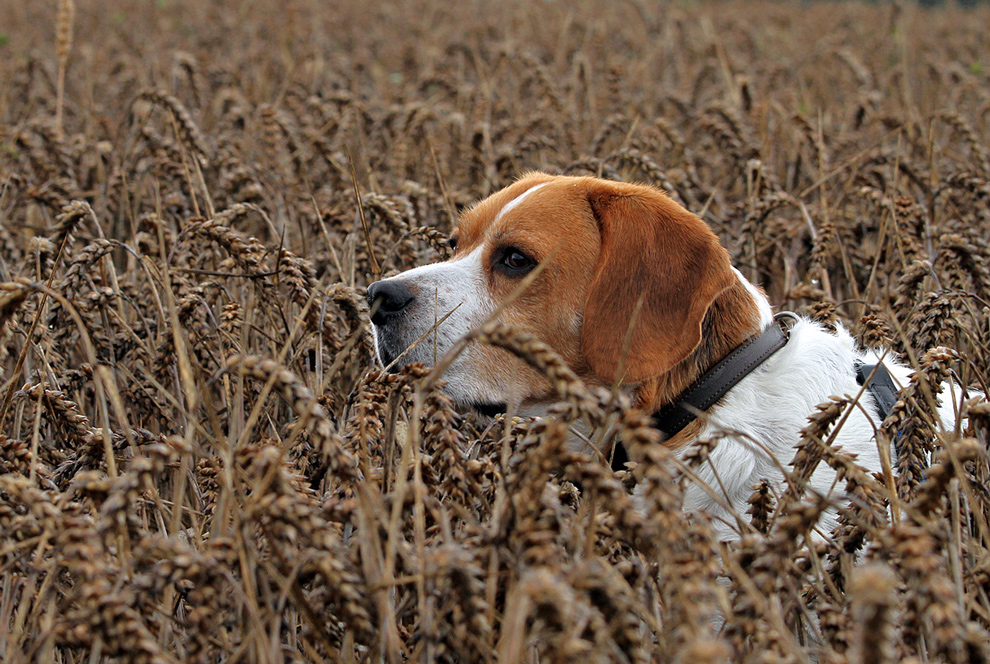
[(392, 298)]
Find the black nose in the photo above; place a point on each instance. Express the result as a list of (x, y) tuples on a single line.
[(392, 298)]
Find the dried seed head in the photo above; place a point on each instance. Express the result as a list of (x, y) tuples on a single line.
[(63, 39), (873, 594)]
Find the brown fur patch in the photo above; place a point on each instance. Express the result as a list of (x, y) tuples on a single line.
[(609, 246)]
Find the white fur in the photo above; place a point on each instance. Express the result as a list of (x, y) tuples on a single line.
[(769, 408), (762, 304)]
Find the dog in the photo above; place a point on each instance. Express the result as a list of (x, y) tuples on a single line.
[(635, 291)]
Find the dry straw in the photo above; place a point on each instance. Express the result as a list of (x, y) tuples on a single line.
[(63, 44), (202, 461)]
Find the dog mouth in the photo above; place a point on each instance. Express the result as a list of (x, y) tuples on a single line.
[(388, 348), (489, 409), (394, 355)]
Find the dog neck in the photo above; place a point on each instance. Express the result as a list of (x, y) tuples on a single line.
[(737, 314)]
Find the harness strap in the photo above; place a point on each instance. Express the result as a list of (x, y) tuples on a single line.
[(879, 383)]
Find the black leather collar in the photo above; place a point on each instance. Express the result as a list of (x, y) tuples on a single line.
[(715, 383)]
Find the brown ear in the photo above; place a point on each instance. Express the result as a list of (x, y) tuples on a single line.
[(655, 251)]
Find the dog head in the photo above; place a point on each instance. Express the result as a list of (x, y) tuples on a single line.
[(630, 286)]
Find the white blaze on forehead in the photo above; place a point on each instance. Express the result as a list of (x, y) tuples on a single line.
[(516, 201)]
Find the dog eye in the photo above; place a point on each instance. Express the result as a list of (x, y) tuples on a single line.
[(452, 243), (516, 260)]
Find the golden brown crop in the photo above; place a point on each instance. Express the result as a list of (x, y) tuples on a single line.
[(200, 461)]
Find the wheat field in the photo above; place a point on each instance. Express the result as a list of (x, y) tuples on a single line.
[(201, 461)]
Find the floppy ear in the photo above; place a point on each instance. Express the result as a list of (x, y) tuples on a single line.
[(654, 251)]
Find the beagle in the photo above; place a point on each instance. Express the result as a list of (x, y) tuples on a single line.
[(635, 291)]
